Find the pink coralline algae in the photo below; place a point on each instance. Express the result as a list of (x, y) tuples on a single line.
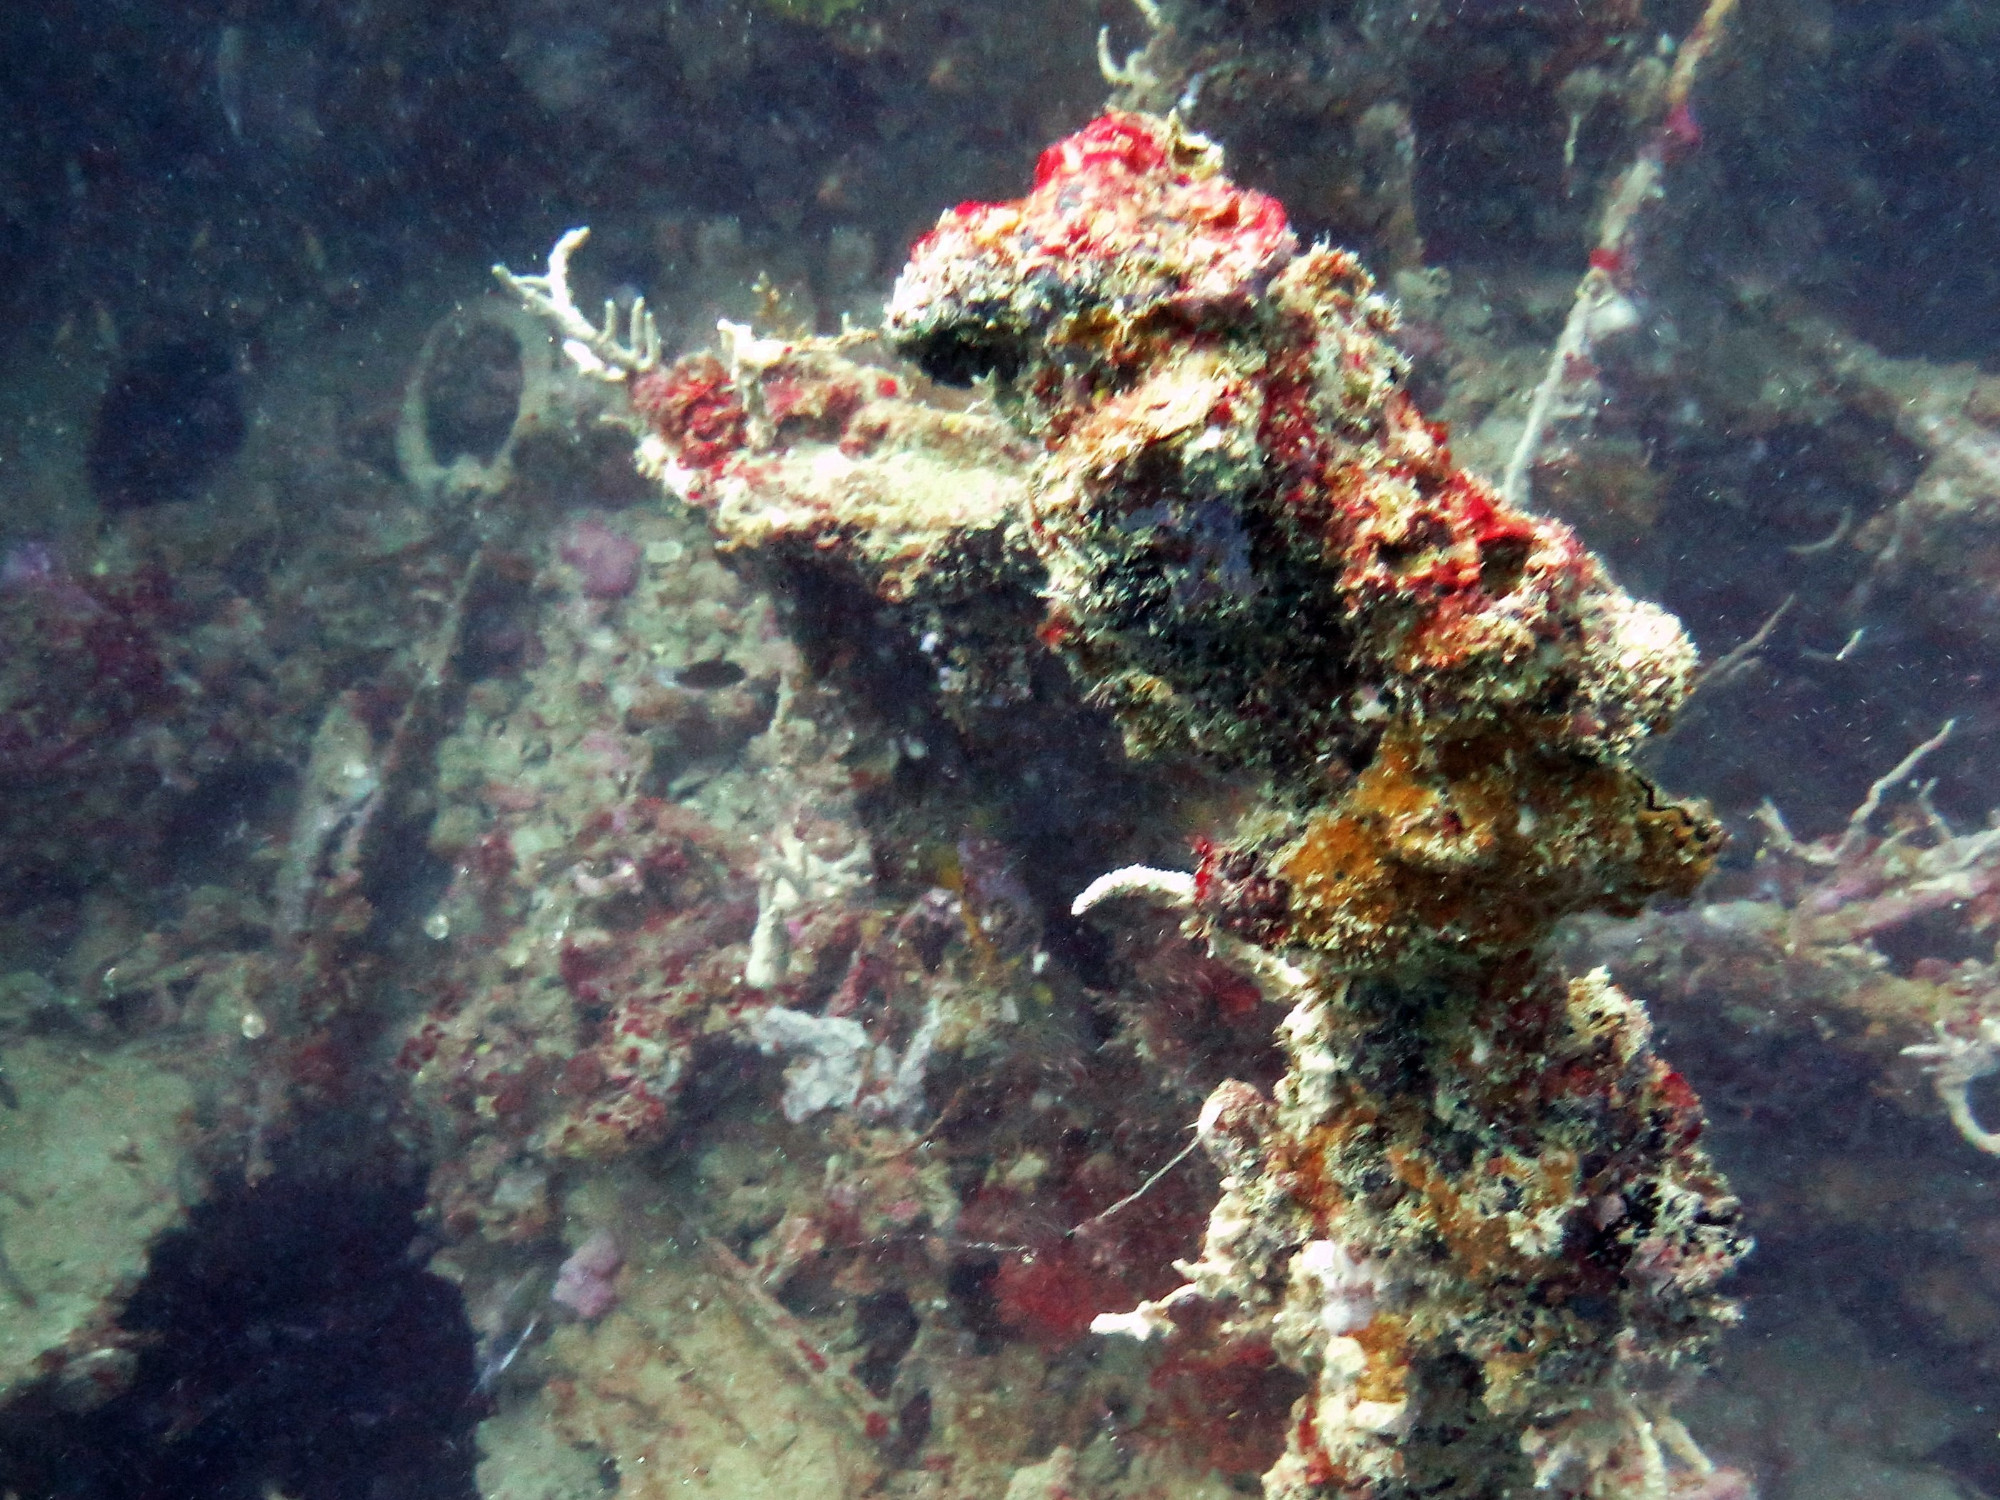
[(587, 1284), (606, 560)]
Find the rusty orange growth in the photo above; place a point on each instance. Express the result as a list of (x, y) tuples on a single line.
[(1476, 844), (1385, 1341)]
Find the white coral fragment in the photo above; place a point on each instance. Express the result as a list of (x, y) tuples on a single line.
[(836, 1065), (1168, 887), (607, 352), (829, 1058), (793, 875)]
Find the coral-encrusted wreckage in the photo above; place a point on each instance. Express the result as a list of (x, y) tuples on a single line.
[(1396, 715), (1018, 884)]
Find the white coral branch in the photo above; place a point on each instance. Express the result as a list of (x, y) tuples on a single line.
[(1168, 887), (1856, 836), (606, 352)]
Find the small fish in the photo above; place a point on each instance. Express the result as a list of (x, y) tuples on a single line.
[(229, 47), (491, 1369), (500, 1324)]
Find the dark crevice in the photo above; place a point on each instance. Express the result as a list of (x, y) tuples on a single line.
[(288, 1343)]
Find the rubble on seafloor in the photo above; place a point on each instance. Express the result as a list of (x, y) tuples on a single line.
[(688, 879)]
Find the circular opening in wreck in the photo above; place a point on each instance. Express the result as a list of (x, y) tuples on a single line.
[(472, 391)]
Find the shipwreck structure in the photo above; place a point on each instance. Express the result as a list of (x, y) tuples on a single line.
[(1474, 1212)]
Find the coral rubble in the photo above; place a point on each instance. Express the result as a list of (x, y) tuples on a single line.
[(1474, 1212)]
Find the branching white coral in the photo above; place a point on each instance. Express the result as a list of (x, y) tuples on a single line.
[(1602, 307), (1131, 73), (1622, 1449), (598, 351), (1856, 835), (1864, 885)]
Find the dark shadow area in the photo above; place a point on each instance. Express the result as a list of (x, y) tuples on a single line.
[(170, 416), (288, 1343), (1867, 149)]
